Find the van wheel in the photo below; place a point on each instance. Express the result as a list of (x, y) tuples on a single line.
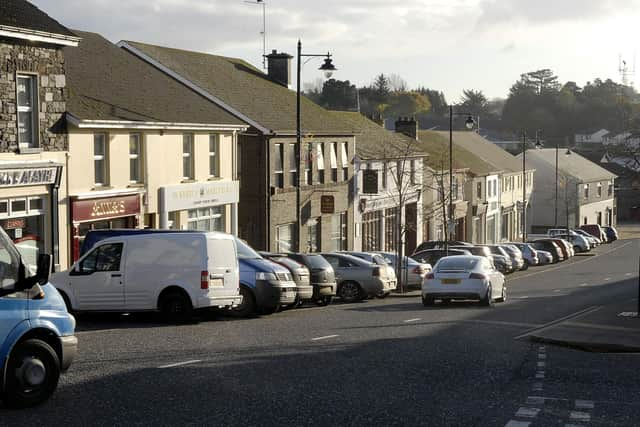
[(32, 374), (247, 306), (176, 307), (350, 292)]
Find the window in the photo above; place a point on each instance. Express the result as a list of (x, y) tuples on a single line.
[(385, 171), (412, 176), (610, 189), (103, 258), (339, 232), (585, 220), (293, 167), (214, 155), (599, 190), (371, 222), (187, 156), (27, 94), (599, 218), (345, 161), (320, 160), (277, 165), (207, 219), (284, 238), (308, 164), (135, 158), (586, 191), (479, 190), (454, 189), (313, 235), (390, 224), (334, 161), (100, 158)]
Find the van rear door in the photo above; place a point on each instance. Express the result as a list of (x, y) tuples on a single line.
[(223, 266)]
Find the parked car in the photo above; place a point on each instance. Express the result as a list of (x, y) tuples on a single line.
[(175, 273), (37, 340), (439, 244), (567, 248), (464, 277), (579, 243), (595, 230), (413, 270), (611, 232), (529, 254), (299, 273), (431, 256), (264, 285), (506, 262), (593, 240), (322, 276), (544, 257), (550, 246), (516, 256), (358, 279)]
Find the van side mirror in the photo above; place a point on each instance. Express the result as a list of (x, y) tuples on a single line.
[(44, 268)]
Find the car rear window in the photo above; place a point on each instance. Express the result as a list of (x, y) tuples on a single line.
[(457, 264), (317, 261)]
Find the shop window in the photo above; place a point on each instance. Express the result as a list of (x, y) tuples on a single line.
[(339, 232), (36, 205), (345, 161), (333, 153), (207, 219), (187, 156), (313, 235), (27, 92), (371, 231), (278, 166), (135, 158), (320, 161), (390, 225), (18, 206), (285, 235), (293, 167), (214, 155), (4, 207), (100, 159)]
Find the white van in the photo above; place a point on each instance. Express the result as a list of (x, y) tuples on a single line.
[(174, 273)]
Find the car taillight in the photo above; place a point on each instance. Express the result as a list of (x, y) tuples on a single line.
[(477, 276), (429, 276), (418, 270), (204, 280), (376, 271)]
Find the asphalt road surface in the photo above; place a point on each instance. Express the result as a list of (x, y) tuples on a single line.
[(380, 362)]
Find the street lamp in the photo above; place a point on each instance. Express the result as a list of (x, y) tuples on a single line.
[(328, 68), (469, 125), (524, 185), (555, 204)]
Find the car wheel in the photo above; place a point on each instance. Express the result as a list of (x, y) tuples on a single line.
[(487, 301), (503, 297), (247, 306), (32, 374), (427, 301), (176, 307), (350, 292), (324, 300), (526, 265)]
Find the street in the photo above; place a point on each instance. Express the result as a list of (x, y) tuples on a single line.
[(380, 362)]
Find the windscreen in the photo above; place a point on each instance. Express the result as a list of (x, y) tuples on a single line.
[(457, 263), (245, 251)]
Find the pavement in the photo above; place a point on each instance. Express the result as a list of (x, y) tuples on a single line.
[(628, 230)]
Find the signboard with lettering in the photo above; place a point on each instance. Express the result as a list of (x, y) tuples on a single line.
[(105, 208), (370, 181), (327, 204), (199, 195), (29, 176)]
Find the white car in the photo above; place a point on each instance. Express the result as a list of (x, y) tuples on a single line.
[(464, 277), (544, 257)]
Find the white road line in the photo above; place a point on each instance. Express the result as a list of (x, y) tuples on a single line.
[(540, 375), (582, 285), (562, 319), (542, 356), (606, 279), (628, 274), (516, 423), (535, 400), (324, 338), (412, 320), (541, 364), (584, 404), (579, 416), (173, 365), (527, 412), (537, 386), (557, 290)]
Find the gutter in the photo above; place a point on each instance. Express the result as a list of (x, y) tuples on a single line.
[(132, 124), (38, 36)]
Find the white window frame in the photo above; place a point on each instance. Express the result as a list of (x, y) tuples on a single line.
[(599, 190), (293, 167), (101, 159), (214, 155), (278, 150), (187, 155), (33, 110), (135, 157)]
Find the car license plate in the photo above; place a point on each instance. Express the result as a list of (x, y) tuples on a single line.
[(450, 281)]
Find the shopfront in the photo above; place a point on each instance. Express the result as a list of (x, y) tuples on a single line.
[(28, 207), (210, 206), (99, 211)]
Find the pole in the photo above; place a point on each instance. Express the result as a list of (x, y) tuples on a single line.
[(638, 308), (298, 151), (450, 219), (555, 204), (524, 186)]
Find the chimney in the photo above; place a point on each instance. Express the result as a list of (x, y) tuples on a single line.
[(279, 68), (407, 126)]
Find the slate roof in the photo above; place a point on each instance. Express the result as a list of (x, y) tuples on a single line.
[(438, 148), (375, 142), (486, 150), (24, 15), (107, 83), (248, 90), (574, 164)]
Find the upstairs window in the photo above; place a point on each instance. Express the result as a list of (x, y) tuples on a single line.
[(293, 167), (586, 191), (135, 158), (278, 165), (187, 156), (320, 161), (214, 156), (100, 159), (385, 172), (27, 102), (610, 189), (334, 161), (412, 176), (345, 161), (599, 190), (308, 164), (479, 190)]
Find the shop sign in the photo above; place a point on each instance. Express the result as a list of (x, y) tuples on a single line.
[(31, 176), (112, 207), (370, 181), (191, 196), (327, 204), (12, 224)]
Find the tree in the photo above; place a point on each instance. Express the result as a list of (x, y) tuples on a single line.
[(405, 104), (474, 102), (339, 95), (397, 83)]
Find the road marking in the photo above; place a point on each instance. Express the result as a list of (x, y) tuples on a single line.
[(582, 285), (542, 356), (535, 400), (562, 319), (527, 412), (606, 279), (584, 404), (628, 314), (602, 327), (541, 364), (537, 386), (412, 320), (324, 338), (557, 290), (628, 274), (540, 375), (579, 416), (173, 365), (515, 423)]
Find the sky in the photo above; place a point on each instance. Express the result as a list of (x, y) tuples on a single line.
[(447, 45)]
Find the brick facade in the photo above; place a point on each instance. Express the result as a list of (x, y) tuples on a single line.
[(47, 62)]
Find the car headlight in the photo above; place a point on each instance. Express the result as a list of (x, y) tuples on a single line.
[(265, 276)]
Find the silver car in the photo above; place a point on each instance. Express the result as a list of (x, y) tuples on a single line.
[(413, 270), (358, 279)]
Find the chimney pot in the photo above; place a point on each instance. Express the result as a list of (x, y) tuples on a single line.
[(279, 67)]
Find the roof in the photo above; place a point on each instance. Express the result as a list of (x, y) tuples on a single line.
[(486, 150), (574, 165), (437, 146), (375, 142), (245, 89), (22, 15), (107, 83)]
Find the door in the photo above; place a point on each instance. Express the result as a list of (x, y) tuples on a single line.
[(411, 226), (97, 281), (223, 267)]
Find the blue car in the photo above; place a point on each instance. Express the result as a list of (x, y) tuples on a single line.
[(37, 340)]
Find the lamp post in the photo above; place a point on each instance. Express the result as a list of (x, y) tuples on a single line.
[(328, 68), (555, 204), (469, 124), (524, 186)]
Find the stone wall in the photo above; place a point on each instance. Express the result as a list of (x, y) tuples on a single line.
[(47, 62)]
